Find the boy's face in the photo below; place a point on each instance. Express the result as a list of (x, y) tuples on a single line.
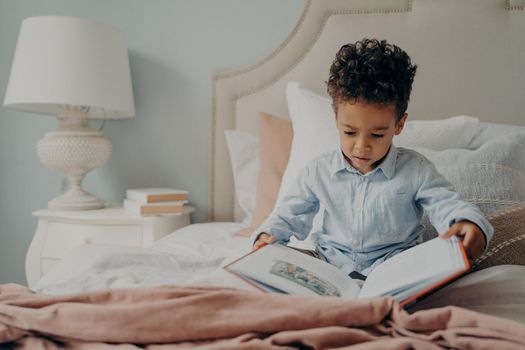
[(366, 132)]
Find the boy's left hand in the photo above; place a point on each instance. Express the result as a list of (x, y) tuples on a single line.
[(471, 236)]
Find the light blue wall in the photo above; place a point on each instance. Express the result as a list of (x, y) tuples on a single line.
[(175, 47)]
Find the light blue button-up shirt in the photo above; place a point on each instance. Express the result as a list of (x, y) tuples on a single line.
[(369, 217)]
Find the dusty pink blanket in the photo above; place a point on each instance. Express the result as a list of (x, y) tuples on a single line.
[(218, 318)]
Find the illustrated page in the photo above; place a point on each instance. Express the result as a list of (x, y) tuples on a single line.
[(295, 273)]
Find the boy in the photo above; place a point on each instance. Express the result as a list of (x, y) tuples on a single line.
[(374, 194)]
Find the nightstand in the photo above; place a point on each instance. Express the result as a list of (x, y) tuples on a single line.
[(59, 231)]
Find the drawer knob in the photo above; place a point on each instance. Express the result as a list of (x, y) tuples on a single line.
[(88, 241)]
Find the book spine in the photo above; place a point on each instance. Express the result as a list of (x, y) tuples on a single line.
[(152, 198), (169, 209)]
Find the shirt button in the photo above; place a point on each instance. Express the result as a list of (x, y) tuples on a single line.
[(355, 242)]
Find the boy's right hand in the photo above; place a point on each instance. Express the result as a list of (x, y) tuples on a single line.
[(263, 239)]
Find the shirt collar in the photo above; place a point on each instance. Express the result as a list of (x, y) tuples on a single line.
[(387, 166), (339, 163)]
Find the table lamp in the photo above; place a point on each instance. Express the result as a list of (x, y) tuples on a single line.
[(76, 69)]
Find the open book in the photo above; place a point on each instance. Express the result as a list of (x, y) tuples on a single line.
[(406, 276)]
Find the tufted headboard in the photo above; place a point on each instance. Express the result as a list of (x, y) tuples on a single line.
[(470, 56)]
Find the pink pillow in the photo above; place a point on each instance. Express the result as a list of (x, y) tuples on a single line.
[(275, 143)]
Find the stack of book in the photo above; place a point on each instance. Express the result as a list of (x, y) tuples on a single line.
[(155, 201)]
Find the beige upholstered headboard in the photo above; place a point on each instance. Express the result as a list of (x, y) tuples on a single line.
[(470, 56)]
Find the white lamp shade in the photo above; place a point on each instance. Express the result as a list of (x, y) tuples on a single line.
[(68, 61)]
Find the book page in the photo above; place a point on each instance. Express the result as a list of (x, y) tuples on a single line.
[(426, 262), (294, 272)]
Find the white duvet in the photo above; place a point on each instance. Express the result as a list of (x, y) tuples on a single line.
[(192, 255), (195, 255)]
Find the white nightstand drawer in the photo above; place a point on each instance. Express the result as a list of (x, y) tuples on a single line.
[(62, 237)]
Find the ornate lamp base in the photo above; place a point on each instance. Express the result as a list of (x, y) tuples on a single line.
[(73, 150), (76, 199)]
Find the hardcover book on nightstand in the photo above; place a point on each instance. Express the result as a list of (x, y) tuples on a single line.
[(154, 195)]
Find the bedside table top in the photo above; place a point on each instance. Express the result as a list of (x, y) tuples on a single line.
[(112, 212)]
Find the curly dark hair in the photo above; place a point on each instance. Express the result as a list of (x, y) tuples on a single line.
[(372, 71)]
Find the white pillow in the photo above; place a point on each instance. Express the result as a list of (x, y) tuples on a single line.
[(437, 135), (243, 148), (314, 131), (488, 131)]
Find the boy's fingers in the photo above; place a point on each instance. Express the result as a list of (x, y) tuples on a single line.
[(263, 239), (266, 238), (468, 240), (454, 230), (468, 243), (474, 243)]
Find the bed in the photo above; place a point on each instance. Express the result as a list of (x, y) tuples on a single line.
[(474, 115)]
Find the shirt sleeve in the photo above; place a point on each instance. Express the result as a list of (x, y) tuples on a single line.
[(443, 204), (295, 213)]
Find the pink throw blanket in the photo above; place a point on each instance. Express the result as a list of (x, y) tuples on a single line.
[(219, 318)]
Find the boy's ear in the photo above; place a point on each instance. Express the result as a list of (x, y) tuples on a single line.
[(400, 124)]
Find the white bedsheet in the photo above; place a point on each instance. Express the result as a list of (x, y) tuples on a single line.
[(195, 255), (192, 255)]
